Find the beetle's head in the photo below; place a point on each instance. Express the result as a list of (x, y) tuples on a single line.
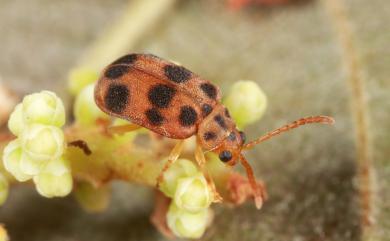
[(230, 149)]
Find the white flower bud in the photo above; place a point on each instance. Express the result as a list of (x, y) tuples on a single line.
[(12, 155), (193, 193), (29, 166), (246, 102), (3, 189), (15, 122), (55, 179), (181, 168), (44, 108), (42, 142), (86, 111), (187, 224)]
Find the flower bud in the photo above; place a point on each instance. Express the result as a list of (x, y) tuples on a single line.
[(55, 179), (12, 155), (15, 122), (86, 111), (193, 193), (44, 108), (3, 234), (79, 78), (29, 166), (181, 168), (3, 189), (42, 142), (92, 199), (187, 224), (246, 102)]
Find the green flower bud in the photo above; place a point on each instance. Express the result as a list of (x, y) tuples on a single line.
[(42, 142), (86, 111), (91, 198), (12, 155), (3, 189), (44, 108), (246, 102), (193, 193), (15, 122), (79, 78), (187, 224), (180, 169), (55, 179)]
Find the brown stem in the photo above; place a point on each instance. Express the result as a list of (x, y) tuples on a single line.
[(356, 82)]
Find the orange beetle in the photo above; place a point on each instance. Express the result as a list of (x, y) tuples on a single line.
[(170, 100)]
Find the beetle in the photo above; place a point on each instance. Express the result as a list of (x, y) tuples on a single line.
[(174, 102)]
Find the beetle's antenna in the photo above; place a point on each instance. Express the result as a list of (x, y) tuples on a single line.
[(257, 193), (303, 121)]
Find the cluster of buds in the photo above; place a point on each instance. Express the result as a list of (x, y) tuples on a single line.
[(37, 152), (189, 213)]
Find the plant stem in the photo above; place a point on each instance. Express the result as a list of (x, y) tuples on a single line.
[(121, 158), (138, 18)]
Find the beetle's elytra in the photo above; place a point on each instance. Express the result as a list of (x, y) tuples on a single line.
[(170, 100)]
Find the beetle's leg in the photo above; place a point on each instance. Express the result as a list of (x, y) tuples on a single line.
[(122, 129), (175, 153), (158, 217), (200, 158)]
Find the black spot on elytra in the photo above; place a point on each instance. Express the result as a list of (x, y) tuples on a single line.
[(116, 71), (227, 114), (117, 98), (243, 137), (209, 89), (225, 156), (127, 59), (177, 73), (161, 95), (187, 116), (209, 136), (232, 136), (206, 109), (220, 121), (154, 116)]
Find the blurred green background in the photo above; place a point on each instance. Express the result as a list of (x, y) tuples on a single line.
[(294, 52)]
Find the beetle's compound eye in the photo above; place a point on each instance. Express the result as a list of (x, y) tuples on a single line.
[(225, 156), (243, 137)]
